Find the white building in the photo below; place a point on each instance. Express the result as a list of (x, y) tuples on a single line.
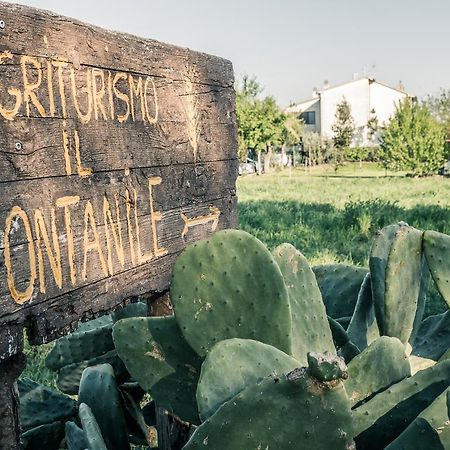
[(366, 97)]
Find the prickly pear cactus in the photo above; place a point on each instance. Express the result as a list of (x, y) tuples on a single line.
[(340, 285), (47, 436), (81, 346), (99, 391), (380, 365), (430, 430), (437, 251), (69, 377), (433, 339), (344, 346), (232, 365), (384, 417), (310, 330), (363, 328), (92, 431), (396, 271), (230, 286), (291, 412), (40, 405), (159, 359), (75, 437)]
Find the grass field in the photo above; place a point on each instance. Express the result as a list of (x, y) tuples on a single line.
[(332, 217)]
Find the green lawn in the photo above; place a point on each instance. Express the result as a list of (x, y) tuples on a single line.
[(331, 217)]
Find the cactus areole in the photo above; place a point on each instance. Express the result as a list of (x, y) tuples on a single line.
[(115, 153)]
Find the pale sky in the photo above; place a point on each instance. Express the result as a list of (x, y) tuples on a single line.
[(292, 46)]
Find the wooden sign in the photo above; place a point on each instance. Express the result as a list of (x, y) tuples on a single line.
[(115, 152)]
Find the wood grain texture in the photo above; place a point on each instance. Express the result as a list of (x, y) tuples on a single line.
[(115, 153)]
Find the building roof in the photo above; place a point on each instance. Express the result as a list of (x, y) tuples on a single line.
[(297, 107)]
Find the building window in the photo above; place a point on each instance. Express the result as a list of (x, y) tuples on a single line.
[(309, 117)]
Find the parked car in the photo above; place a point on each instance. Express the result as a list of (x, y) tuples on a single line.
[(247, 167), (445, 169)]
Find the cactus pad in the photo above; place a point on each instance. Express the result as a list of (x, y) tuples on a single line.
[(340, 285), (250, 360), (92, 432), (437, 251), (310, 330), (363, 328), (81, 345), (433, 339), (160, 360), (230, 286), (75, 437), (429, 431), (40, 405), (382, 418), (98, 389), (380, 365), (294, 412), (46, 437), (403, 280), (68, 378)]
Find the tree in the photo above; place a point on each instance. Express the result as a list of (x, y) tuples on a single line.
[(372, 124), (439, 106), (344, 126), (260, 121), (413, 140)]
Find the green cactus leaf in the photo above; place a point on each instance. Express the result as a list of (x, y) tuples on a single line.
[(158, 357), (379, 255), (430, 430), (40, 405), (339, 285), (46, 437), (75, 437), (232, 365), (310, 329), (382, 418), (94, 323), (403, 280), (81, 346), (363, 328), (99, 391), (293, 412), (344, 346), (380, 365), (230, 286), (138, 309), (92, 432), (433, 338), (437, 251), (69, 377)]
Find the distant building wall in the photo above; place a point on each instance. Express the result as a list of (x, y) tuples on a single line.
[(363, 95), (384, 100)]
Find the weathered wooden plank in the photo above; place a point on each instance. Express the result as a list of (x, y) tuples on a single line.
[(104, 147), (57, 37), (138, 274), (91, 94), (180, 185)]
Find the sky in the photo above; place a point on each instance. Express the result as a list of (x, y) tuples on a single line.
[(292, 46)]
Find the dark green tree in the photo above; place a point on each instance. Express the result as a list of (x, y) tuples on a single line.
[(344, 125), (372, 124), (260, 120), (413, 140)]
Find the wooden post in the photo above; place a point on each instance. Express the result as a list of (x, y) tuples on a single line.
[(10, 370), (115, 153)]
